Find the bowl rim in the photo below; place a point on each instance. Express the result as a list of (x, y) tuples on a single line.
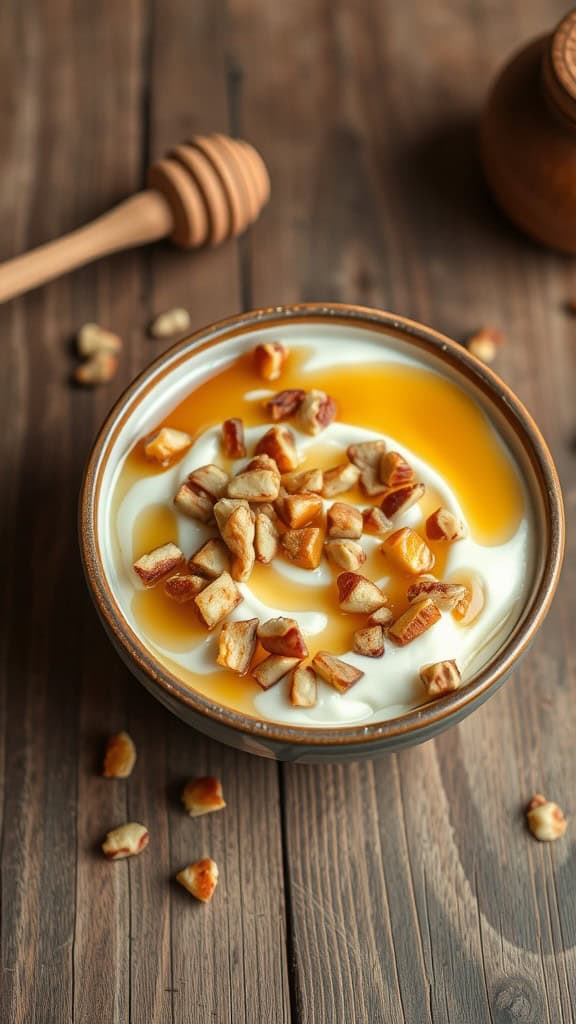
[(479, 376)]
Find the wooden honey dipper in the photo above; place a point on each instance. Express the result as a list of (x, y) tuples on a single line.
[(203, 192)]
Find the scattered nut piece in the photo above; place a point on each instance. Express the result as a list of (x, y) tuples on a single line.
[(408, 551), (224, 508), (99, 369), (200, 879), (211, 560), (269, 358), (265, 538), (217, 600), (417, 619), (171, 322), (166, 445), (395, 471), (297, 510), (211, 479), (237, 645), (375, 521), (262, 462), (369, 641), (367, 454), (444, 525), (282, 636), (303, 687), (272, 669), (344, 521), (440, 678), (303, 547), (238, 534), (445, 595), (381, 617), (255, 485), (155, 565), (340, 479), (279, 444), (335, 672), (472, 603), (92, 338), (308, 480), (266, 509), (346, 554), (358, 594), (284, 404), (316, 412), (400, 499), (192, 502), (484, 344), (203, 796), (371, 483), (233, 438), (546, 820), (182, 588), (126, 841), (120, 756)]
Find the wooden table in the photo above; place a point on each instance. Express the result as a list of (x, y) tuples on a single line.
[(403, 890)]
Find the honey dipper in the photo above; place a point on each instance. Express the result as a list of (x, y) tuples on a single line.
[(201, 193)]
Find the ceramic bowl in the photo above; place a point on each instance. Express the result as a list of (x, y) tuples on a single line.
[(160, 387)]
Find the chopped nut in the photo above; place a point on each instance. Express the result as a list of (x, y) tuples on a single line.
[(344, 521), (469, 607), (269, 358), (445, 595), (282, 636), (358, 594), (224, 508), (156, 564), (265, 538), (233, 439), (369, 641), (171, 322), (263, 462), (238, 534), (303, 687), (126, 841), (237, 645), (284, 404), (444, 525), (440, 678), (375, 521), (297, 510), (211, 560), (371, 483), (381, 617), (192, 502), (546, 820), (182, 588), (203, 796), (217, 600), (279, 444), (120, 756), (367, 454), (395, 471), (316, 412), (308, 480), (255, 485), (200, 879), (166, 445), (484, 343), (400, 499), (272, 669), (335, 672), (211, 479), (264, 508), (347, 554), (408, 552), (303, 547), (99, 369), (340, 479), (92, 339), (418, 618)]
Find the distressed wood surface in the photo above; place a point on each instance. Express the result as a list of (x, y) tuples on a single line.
[(405, 890)]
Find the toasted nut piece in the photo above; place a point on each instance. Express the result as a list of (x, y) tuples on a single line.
[(367, 454), (484, 343), (444, 525), (166, 445), (381, 617), (126, 841), (272, 669), (298, 509), (237, 645), (203, 796), (217, 600), (469, 607), (371, 483), (264, 508), (265, 538), (92, 338), (445, 595), (262, 462), (344, 521), (211, 479), (233, 438), (156, 564), (418, 618), (395, 471), (170, 322), (238, 534), (284, 404), (336, 672), (340, 479), (192, 502), (282, 636), (303, 547), (279, 444), (304, 482), (255, 485), (182, 588), (369, 641), (358, 594), (211, 560), (408, 552), (120, 756), (375, 521), (99, 369), (200, 879), (440, 678), (346, 554), (269, 358), (303, 687), (546, 820), (316, 412), (224, 508), (400, 499)]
